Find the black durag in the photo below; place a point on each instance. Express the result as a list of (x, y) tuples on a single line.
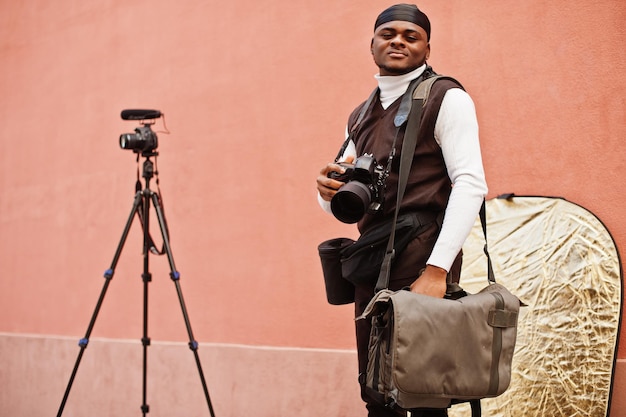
[(407, 13)]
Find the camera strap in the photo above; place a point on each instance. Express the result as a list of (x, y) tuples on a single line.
[(359, 119), (410, 111)]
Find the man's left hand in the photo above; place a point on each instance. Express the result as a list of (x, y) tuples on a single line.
[(432, 282)]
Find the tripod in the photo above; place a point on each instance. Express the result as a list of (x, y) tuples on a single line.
[(141, 208)]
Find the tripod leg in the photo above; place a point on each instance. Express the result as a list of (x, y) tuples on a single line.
[(146, 278), (175, 276), (108, 275)]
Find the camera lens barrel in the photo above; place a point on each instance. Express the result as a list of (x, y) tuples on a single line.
[(143, 140), (127, 140), (351, 202)]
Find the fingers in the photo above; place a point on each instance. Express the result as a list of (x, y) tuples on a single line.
[(328, 187), (332, 167), (433, 289)]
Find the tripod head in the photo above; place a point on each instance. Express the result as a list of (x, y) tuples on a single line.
[(148, 167)]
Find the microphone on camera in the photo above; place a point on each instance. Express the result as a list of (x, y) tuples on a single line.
[(140, 114)]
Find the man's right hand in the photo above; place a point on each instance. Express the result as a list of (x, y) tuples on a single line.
[(328, 187)]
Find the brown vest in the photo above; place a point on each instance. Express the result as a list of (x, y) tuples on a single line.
[(428, 185)]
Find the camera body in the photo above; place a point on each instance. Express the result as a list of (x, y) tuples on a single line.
[(363, 191), (144, 140)]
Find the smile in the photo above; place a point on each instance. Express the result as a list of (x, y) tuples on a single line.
[(396, 54)]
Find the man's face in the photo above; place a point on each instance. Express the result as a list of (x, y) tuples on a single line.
[(399, 47)]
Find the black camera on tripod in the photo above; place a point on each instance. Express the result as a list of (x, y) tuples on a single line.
[(363, 191), (144, 140)]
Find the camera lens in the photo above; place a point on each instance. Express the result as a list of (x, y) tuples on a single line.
[(350, 203), (143, 140), (127, 140)]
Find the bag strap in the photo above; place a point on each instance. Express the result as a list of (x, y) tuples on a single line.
[(410, 109), (483, 221)]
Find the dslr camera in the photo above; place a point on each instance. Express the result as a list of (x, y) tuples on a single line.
[(144, 140), (363, 191)]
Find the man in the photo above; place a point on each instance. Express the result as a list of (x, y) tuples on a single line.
[(446, 178)]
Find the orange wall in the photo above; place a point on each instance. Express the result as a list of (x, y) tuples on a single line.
[(256, 95)]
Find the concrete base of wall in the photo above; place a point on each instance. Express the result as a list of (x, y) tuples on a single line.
[(242, 380)]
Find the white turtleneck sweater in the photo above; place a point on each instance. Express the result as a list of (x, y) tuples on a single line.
[(456, 131)]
